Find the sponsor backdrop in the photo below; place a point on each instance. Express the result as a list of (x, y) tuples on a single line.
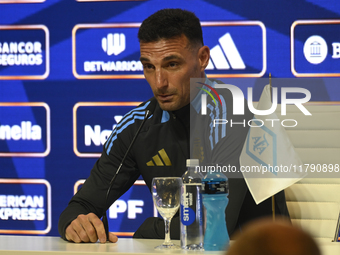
[(69, 71)]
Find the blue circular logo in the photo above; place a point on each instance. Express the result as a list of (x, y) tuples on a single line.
[(188, 215)]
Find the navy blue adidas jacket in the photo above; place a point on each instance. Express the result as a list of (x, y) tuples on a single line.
[(161, 149)]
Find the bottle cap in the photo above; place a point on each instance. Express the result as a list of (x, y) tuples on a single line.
[(193, 162)]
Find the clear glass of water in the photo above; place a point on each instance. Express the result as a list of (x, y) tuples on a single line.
[(166, 196)]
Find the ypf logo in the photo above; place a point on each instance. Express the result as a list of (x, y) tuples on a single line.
[(315, 49), (113, 44)]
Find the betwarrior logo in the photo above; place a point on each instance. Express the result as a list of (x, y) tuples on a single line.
[(113, 43)]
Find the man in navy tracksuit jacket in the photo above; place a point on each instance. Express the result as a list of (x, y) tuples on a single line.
[(172, 52)]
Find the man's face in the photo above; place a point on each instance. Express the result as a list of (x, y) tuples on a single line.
[(168, 66)]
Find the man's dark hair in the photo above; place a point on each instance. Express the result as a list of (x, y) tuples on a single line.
[(171, 23)]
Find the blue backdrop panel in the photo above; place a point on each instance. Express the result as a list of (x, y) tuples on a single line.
[(69, 70)]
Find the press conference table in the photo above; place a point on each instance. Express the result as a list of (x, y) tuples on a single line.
[(29, 245)]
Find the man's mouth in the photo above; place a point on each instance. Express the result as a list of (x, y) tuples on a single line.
[(165, 97)]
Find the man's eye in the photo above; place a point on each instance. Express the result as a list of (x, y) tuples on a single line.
[(147, 66), (173, 64)]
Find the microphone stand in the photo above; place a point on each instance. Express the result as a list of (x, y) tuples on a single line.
[(104, 219)]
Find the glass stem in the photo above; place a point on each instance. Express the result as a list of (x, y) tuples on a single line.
[(167, 231)]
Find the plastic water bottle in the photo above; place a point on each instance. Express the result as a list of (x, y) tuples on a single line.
[(215, 189), (192, 228)]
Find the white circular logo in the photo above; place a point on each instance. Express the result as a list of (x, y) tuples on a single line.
[(315, 49)]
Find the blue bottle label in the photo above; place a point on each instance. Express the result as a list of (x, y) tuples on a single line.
[(215, 187)]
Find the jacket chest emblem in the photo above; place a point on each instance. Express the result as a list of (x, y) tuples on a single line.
[(160, 159)]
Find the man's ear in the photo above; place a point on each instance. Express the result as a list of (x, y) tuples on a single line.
[(203, 56)]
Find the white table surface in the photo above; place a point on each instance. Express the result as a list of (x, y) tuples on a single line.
[(29, 245)]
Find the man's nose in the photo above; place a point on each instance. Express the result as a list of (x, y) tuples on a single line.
[(161, 78)]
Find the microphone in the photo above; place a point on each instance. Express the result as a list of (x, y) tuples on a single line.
[(148, 113)]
